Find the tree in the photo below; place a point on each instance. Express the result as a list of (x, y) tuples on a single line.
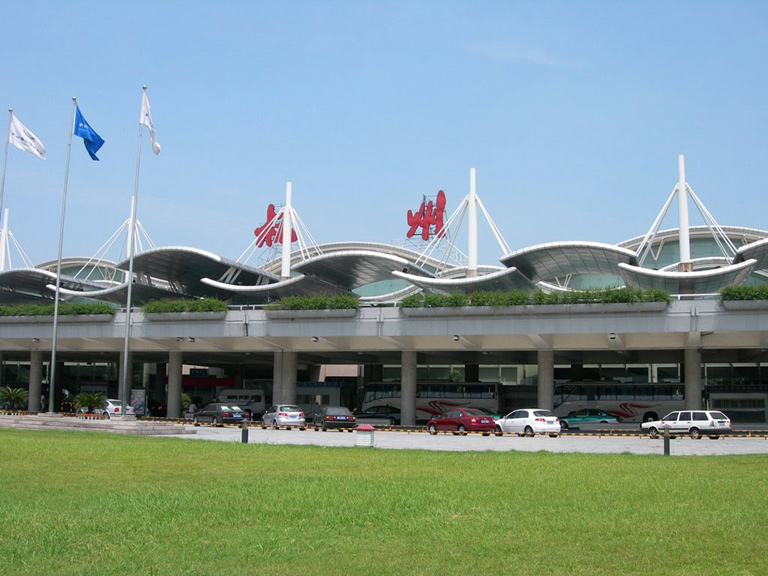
[(90, 401), (13, 398)]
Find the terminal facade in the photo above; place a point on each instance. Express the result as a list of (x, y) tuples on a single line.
[(716, 351)]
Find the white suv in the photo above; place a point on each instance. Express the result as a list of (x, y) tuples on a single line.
[(692, 422)]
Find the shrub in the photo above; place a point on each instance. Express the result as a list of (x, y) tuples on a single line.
[(179, 306), (13, 398), (317, 302), (65, 309), (744, 293), (90, 401), (536, 298)]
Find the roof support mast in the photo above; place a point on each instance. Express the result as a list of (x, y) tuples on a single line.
[(685, 264), (472, 227), (285, 269)]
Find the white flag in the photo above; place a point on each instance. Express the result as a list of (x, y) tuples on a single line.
[(146, 120), (22, 138)]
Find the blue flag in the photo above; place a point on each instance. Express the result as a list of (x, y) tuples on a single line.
[(91, 140)]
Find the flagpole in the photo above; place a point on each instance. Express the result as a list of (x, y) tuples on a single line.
[(4, 225), (131, 243), (5, 158), (52, 390)]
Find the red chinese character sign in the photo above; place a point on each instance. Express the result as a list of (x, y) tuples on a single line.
[(272, 230), (428, 218)]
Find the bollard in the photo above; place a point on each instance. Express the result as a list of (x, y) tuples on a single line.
[(666, 440), (244, 426), (364, 435)]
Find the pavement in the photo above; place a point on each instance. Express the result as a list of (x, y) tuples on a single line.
[(593, 443)]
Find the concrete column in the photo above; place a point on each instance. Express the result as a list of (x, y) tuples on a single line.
[(546, 387), (472, 373), (2, 369), (408, 388), (692, 367), (175, 362), (35, 381), (288, 388), (277, 377)]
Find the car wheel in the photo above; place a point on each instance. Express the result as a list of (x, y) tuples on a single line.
[(529, 431), (695, 433), (563, 425), (554, 435), (324, 427), (714, 437), (263, 424), (431, 429), (499, 431), (215, 421), (391, 421), (197, 422), (653, 432), (461, 430), (106, 415)]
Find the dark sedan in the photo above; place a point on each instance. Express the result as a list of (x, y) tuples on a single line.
[(461, 421), (335, 417), (217, 413)]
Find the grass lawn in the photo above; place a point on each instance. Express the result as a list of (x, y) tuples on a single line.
[(99, 503)]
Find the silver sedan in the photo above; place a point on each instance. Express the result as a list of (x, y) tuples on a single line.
[(284, 416)]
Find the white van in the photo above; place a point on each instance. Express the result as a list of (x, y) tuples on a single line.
[(252, 400)]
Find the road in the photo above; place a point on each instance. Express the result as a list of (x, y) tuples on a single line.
[(593, 443)]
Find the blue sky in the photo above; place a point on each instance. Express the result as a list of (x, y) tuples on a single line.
[(573, 114)]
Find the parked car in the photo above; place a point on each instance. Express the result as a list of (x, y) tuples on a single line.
[(692, 422), (388, 413), (112, 407), (284, 416), (217, 413), (529, 422), (461, 421), (587, 415), (334, 417)]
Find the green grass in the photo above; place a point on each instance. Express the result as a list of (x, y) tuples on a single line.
[(96, 503)]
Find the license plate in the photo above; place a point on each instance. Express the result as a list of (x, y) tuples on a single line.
[(484, 421)]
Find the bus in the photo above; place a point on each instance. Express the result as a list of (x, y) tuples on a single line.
[(434, 398), (628, 401)]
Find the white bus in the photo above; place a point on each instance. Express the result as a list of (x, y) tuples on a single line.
[(630, 402), (434, 398)]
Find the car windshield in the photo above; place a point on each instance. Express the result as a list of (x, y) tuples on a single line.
[(336, 411), (474, 412), (289, 408), (541, 413)]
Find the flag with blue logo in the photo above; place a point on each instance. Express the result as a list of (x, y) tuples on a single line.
[(91, 140)]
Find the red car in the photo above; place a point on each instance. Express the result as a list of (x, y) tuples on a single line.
[(461, 421)]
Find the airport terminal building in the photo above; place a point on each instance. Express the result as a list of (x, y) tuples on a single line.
[(696, 349)]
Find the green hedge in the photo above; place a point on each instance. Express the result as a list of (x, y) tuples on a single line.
[(745, 293), (65, 309), (520, 298), (178, 306), (320, 302)]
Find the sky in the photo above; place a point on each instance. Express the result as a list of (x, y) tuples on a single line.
[(573, 114)]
